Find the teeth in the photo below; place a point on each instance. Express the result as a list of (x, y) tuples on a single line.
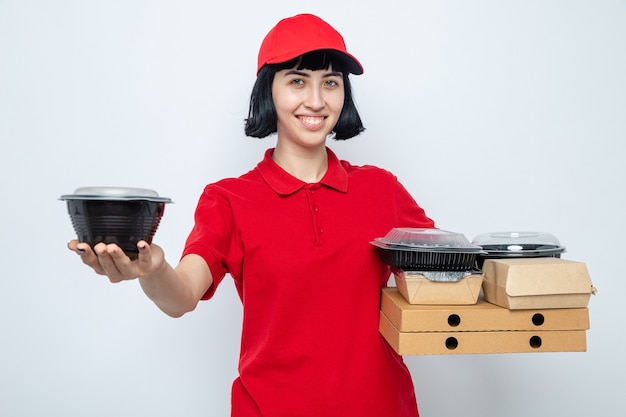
[(312, 120)]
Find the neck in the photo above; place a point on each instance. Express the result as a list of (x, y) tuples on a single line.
[(308, 165)]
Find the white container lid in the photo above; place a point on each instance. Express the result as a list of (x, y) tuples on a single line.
[(116, 194)]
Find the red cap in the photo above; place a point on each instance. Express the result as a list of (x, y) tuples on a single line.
[(297, 35)]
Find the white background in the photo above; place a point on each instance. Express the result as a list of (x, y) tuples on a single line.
[(496, 115)]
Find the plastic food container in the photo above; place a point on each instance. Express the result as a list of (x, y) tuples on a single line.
[(518, 245), (417, 249), (120, 215)]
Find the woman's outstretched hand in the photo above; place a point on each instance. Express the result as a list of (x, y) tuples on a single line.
[(174, 291), (110, 260)]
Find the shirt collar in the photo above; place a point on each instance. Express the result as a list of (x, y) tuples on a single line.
[(284, 183)]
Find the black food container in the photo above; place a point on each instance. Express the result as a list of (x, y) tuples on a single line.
[(499, 245), (417, 249), (120, 215)]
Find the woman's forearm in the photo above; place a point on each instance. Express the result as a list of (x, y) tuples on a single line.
[(178, 291)]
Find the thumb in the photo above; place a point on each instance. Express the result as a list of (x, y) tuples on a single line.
[(150, 258)]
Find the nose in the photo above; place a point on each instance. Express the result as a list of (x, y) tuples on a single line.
[(315, 98)]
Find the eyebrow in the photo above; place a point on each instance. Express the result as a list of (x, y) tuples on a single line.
[(304, 74)]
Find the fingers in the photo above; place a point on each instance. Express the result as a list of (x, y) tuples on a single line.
[(105, 259), (110, 259), (87, 256), (114, 262)]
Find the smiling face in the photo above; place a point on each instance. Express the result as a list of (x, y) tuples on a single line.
[(308, 104)]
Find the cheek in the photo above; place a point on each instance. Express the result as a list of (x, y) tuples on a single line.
[(286, 104), (336, 103), (281, 109)]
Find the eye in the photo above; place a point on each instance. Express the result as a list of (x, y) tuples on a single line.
[(297, 81), (332, 82)]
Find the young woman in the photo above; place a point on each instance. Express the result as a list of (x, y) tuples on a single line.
[(294, 235)]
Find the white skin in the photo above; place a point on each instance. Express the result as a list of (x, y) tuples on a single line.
[(308, 104)]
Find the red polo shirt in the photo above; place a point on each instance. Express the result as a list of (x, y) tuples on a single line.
[(310, 285)]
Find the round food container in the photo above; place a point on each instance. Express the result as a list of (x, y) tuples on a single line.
[(120, 215), (518, 245), (422, 249)]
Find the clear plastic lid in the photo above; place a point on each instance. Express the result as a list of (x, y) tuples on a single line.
[(427, 239), (516, 241), (115, 193)]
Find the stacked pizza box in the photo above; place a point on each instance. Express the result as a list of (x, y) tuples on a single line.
[(512, 305)]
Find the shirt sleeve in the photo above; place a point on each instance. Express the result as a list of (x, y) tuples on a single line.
[(211, 236), (410, 214)]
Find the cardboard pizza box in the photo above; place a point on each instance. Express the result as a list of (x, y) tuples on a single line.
[(482, 316), (442, 343)]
